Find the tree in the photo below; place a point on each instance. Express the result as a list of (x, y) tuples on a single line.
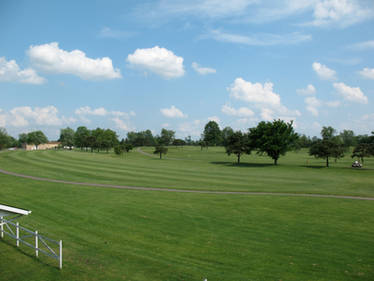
[(148, 138), (363, 150), (188, 140), (167, 137), (179, 142), (22, 139), (327, 132), (237, 143), (4, 139), (109, 139), (118, 149), (303, 142), (212, 134), (143, 138), (97, 139), (67, 137), (160, 149), (128, 147), (81, 137), (36, 138), (329, 146), (348, 138), (203, 144), (273, 138), (226, 133)]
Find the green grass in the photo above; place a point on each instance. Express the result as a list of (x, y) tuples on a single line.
[(201, 170), (114, 234)]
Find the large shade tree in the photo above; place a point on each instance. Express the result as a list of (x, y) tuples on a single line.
[(273, 138)]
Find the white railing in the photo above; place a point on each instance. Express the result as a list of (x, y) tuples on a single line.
[(31, 239)]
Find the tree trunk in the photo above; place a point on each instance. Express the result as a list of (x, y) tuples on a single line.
[(275, 161), (362, 160), (327, 161), (238, 158), (160, 155)]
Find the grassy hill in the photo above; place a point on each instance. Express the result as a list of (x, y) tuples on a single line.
[(115, 234)]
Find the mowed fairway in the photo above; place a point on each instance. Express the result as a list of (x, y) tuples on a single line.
[(117, 234)]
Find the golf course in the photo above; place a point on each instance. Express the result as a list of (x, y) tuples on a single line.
[(193, 215)]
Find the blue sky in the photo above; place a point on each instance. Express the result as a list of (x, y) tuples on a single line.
[(136, 65)]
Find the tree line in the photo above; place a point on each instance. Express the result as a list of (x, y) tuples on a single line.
[(270, 138), (276, 138)]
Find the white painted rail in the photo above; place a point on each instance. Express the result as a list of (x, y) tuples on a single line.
[(25, 236)]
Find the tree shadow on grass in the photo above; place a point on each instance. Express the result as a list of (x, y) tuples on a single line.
[(314, 167), (242, 165)]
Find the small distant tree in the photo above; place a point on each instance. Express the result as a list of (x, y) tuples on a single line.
[(363, 150), (179, 142), (118, 149), (188, 140), (237, 143), (327, 147), (128, 147), (36, 138), (67, 137), (160, 149), (203, 144), (273, 138)]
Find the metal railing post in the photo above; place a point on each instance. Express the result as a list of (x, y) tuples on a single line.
[(17, 233), (2, 227), (60, 254), (36, 244)]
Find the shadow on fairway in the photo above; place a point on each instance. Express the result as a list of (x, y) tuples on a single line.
[(313, 167), (242, 165)]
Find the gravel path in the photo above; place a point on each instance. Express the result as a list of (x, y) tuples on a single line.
[(185, 190)]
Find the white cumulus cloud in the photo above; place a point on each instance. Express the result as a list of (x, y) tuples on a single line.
[(172, 112), (254, 92), (240, 112), (86, 110), (11, 72), (367, 73), (362, 45), (157, 60), (261, 97), (312, 104), (121, 124), (353, 94), (202, 70), (45, 116), (342, 13), (309, 90), (323, 71), (50, 58)]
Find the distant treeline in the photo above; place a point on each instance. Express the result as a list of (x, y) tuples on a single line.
[(275, 133)]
